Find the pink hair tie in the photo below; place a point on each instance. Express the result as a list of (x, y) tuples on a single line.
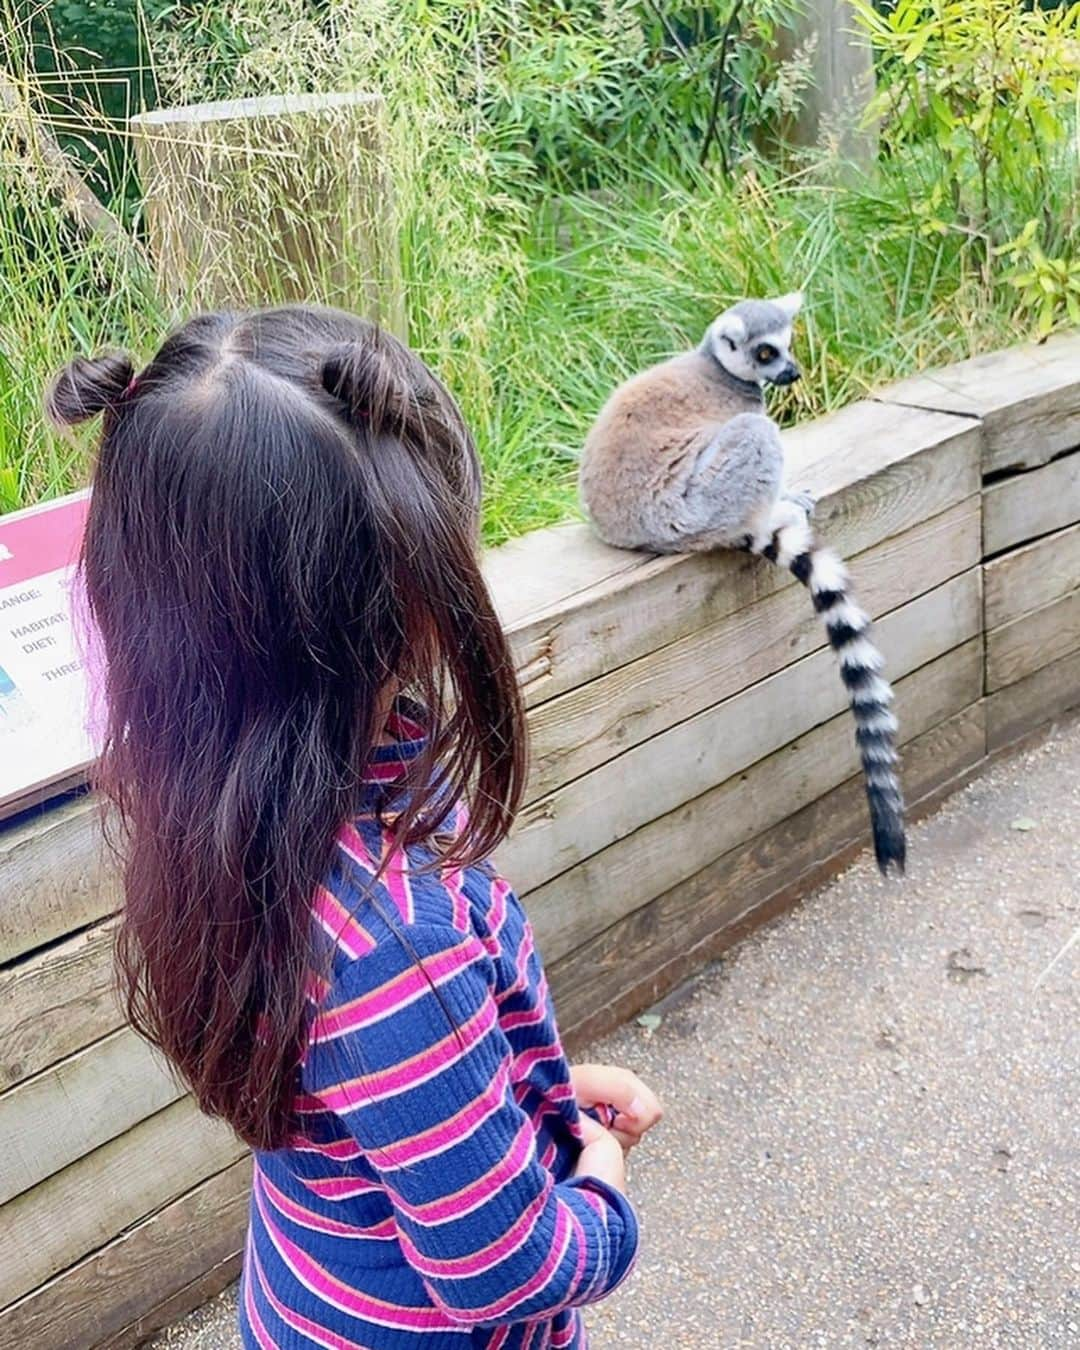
[(131, 385)]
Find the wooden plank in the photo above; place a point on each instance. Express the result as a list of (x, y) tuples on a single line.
[(542, 570), (638, 960), (82, 1208), (876, 472), (55, 1002), (1027, 397), (1021, 581), (45, 793), (49, 1121), (1035, 640), (112, 1288), (585, 727), (1033, 701), (55, 877), (177, 1306), (571, 909), (1031, 504), (558, 831)]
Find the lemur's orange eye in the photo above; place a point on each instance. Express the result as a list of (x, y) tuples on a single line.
[(765, 354)]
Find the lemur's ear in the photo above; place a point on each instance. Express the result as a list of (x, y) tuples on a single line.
[(790, 304), (730, 327)]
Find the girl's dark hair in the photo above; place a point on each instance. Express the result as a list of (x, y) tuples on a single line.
[(282, 530)]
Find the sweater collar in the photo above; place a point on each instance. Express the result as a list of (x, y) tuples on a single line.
[(407, 730)]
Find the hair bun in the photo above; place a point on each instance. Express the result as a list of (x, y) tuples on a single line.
[(387, 391), (87, 386), (360, 376)]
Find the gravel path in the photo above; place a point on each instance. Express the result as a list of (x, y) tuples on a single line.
[(872, 1132)]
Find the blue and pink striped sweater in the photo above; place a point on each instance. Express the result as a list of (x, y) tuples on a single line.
[(429, 1199)]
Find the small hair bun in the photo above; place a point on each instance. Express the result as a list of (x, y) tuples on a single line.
[(87, 386), (360, 377)]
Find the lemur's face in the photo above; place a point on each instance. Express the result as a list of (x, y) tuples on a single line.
[(752, 340)]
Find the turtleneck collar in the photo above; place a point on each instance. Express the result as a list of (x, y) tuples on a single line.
[(407, 731)]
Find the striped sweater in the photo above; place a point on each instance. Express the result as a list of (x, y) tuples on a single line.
[(428, 1198)]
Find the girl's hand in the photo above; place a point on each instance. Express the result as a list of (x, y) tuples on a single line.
[(602, 1155), (637, 1108)]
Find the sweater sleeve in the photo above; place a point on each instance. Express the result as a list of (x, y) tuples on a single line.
[(408, 1052)]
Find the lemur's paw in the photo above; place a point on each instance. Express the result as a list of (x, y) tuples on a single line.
[(806, 500)]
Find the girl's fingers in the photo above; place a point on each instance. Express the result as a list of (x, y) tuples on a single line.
[(631, 1126), (602, 1154), (591, 1130), (628, 1141), (643, 1109), (595, 1083)]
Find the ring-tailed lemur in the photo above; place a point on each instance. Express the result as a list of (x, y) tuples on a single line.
[(683, 458)]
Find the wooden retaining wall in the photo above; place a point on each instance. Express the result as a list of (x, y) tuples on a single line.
[(693, 771)]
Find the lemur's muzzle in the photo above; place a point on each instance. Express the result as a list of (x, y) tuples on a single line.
[(788, 375)]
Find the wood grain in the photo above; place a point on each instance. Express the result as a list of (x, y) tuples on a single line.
[(49, 1121), (54, 1224), (832, 108), (1032, 641), (1028, 399), (587, 726), (55, 1002), (638, 960), (571, 909), (876, 472), (1019, 509), (558, 831), (1031, 576), (177, 1306), (54, 876), (1033, 702), (526, 576), (110, 1289)]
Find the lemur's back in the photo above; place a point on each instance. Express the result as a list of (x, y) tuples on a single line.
[(648, 434)]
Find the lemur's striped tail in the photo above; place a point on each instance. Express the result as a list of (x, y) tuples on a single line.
[(794, 546)]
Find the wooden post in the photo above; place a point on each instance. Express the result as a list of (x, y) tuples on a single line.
[(842, 64), (273, 200)]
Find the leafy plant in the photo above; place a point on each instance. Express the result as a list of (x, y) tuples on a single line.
[(91, 62), (1049, 288), (564, 214), (991, 86), (679, 82)]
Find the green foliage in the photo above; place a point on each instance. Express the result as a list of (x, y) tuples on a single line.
[(570, 210), (1049, 288), (91, 60), (568, 86), (678, 82), (992, 86)]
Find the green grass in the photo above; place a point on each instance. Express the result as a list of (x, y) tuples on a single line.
[(533, 299), (607, 286), (615, 283)]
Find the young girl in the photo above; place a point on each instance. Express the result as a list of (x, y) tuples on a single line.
[(313, 740)]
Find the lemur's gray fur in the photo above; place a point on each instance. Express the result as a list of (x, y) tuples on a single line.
[(683, 458)]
